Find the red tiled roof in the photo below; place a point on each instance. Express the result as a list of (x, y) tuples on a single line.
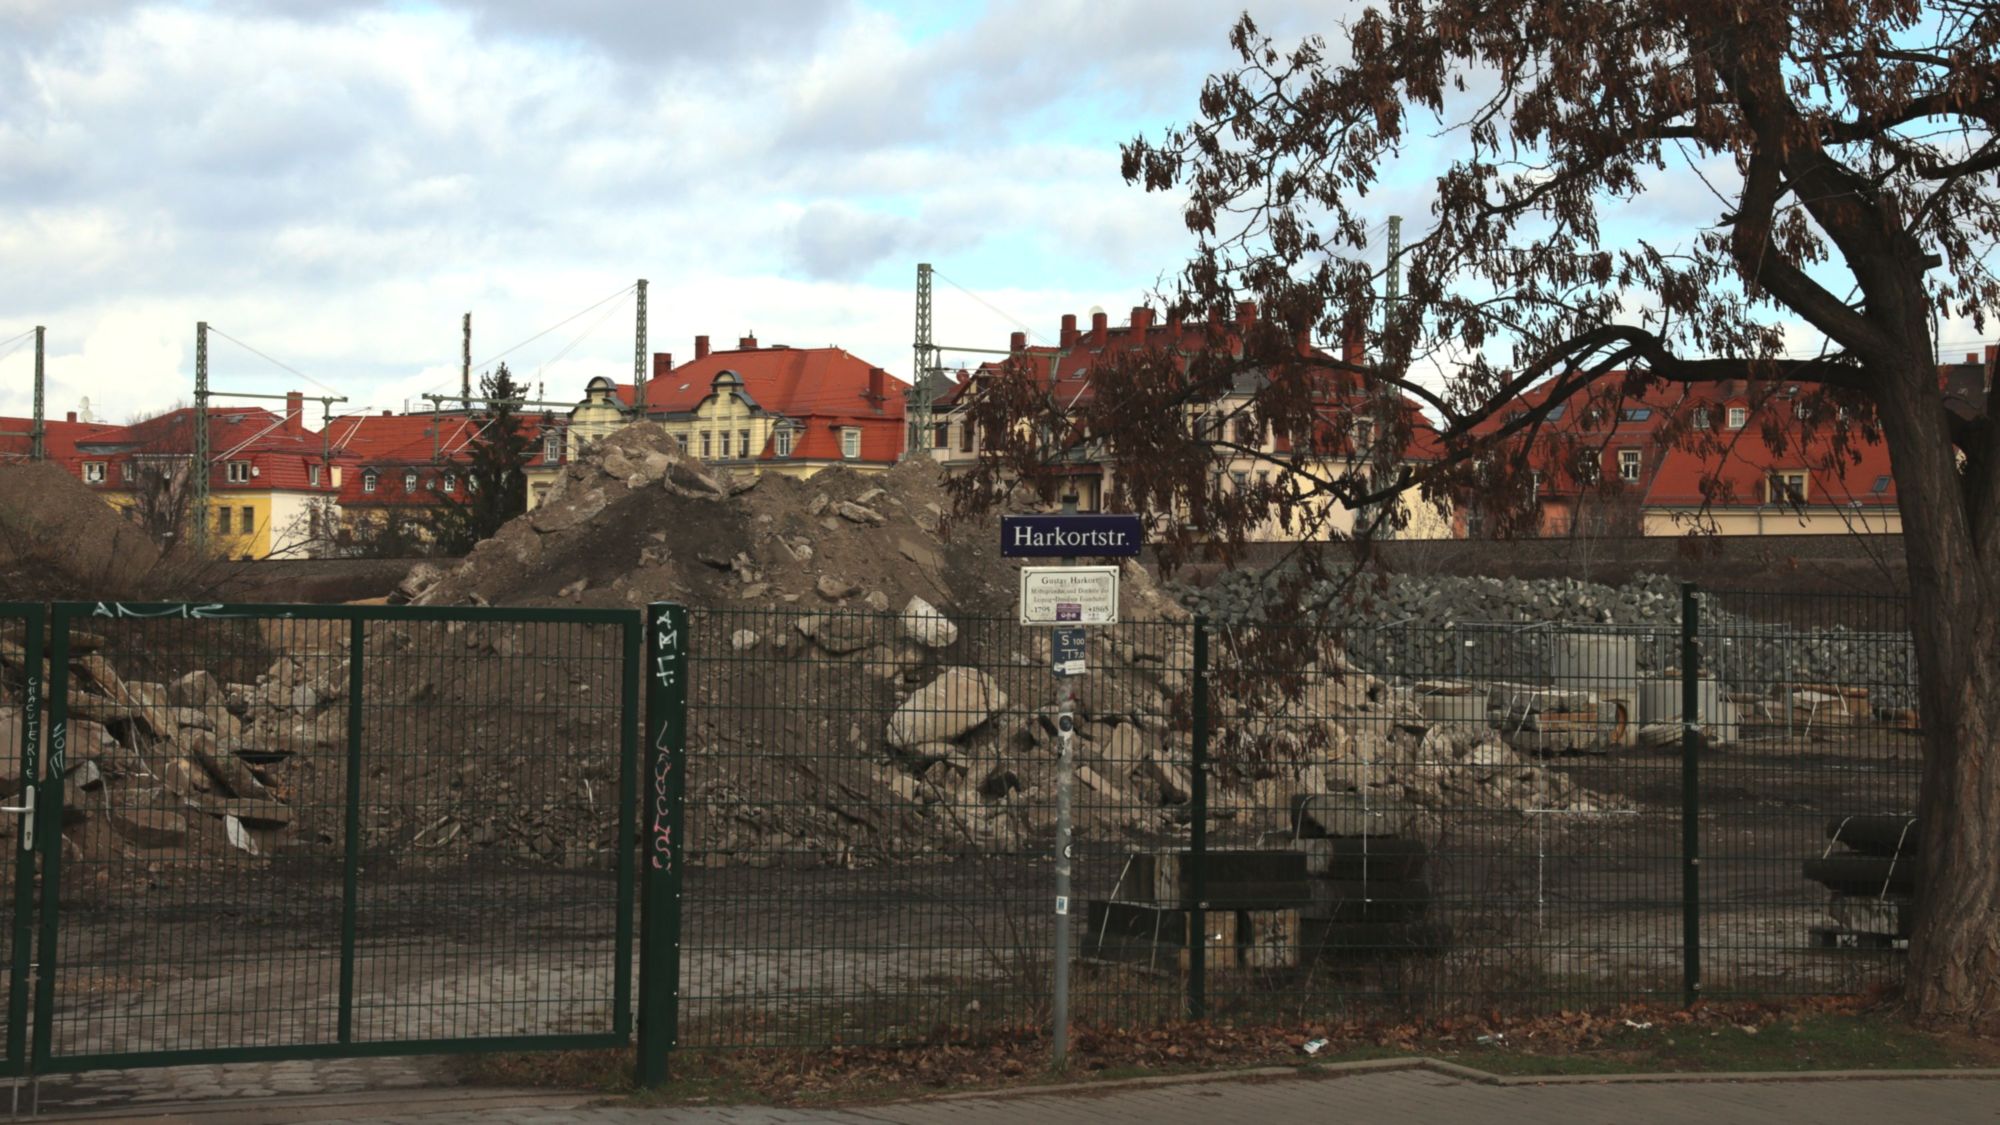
[(279, 449), (59, 438), (1064, 369), (783, 380), (1738, 472)]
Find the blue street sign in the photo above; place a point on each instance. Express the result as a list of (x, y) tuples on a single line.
[(1059, 536), (1067, 650)]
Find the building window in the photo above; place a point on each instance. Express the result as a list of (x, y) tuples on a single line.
[(1738, 417), (1701, 418), (743, 442), (368, 481), (93, 472), (1243, 435), (239, 472), (312, 475), (941, 435), (472, 482), (1785, 488), (965, 436), (1635, 414), (552, 447), (541, 494), (1628, 464), (249, 519), (850, 443), (706, 450), (1881, 486), (724, 438), (781, 441), (451, 482), (222, 521), (409, 482)]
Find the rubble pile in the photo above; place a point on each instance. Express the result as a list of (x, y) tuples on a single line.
[(188, 766), (861, 692)]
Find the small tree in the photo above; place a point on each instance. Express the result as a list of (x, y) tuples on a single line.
[(496, 487)]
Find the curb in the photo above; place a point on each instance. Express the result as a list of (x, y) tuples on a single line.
[(324, 1107), (1332, 1071)]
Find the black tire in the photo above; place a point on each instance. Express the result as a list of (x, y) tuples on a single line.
[(1875, 833), (1864, 874)]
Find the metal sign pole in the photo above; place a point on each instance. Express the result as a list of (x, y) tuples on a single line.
[(1065, 793)]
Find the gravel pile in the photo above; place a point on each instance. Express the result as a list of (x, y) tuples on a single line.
[(1505, 628)]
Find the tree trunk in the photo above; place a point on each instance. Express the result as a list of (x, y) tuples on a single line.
[(1954, 969), (1954, 962)]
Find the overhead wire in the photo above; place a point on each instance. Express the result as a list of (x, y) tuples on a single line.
[(512, 348), (580, 338), (1003, 314), (268, 359)]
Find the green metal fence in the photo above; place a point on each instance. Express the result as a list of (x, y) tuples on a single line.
[(1301, 820), (295, 831)]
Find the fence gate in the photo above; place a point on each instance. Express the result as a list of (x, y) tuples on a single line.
[(297, 831)]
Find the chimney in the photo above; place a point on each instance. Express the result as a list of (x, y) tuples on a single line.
[(663, 362), (1173, 328), (1068, 337), (1018, 342), (1246, 313), (386, 413), (1304, 342), (1100, 329), (295, 412), (70, 417), (1972, 357), (1351, 351), (746, 344), (876, 394), (701, 347)]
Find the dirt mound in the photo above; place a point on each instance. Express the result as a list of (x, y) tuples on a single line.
[(60, 540)]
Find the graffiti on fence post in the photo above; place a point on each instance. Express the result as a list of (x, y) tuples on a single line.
[(660, 909)]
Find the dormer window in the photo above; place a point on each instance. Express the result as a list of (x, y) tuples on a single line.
[(451, 482), (781, 441), (850, 443), (410, 482), (368, 480), (1738, 417), (93, 472), (1701, 418), (239, 472), (552, 446), (1785, 488), (312, 475)]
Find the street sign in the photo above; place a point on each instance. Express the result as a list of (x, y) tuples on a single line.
[(1067, 648), (1059, 536), (1069, 595)]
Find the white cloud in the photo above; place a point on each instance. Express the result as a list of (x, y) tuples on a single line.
[(336, 182)]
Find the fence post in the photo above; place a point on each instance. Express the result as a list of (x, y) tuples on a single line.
[(30, 765), (665, 668), (1198, 846), (1690, 794), (350, 878)]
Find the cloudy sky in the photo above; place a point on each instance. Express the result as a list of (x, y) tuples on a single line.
[(334, 182)]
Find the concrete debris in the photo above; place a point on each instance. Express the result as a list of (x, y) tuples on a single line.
[(925, 624)]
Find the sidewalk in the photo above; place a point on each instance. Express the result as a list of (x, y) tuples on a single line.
[(1360, 1095)]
